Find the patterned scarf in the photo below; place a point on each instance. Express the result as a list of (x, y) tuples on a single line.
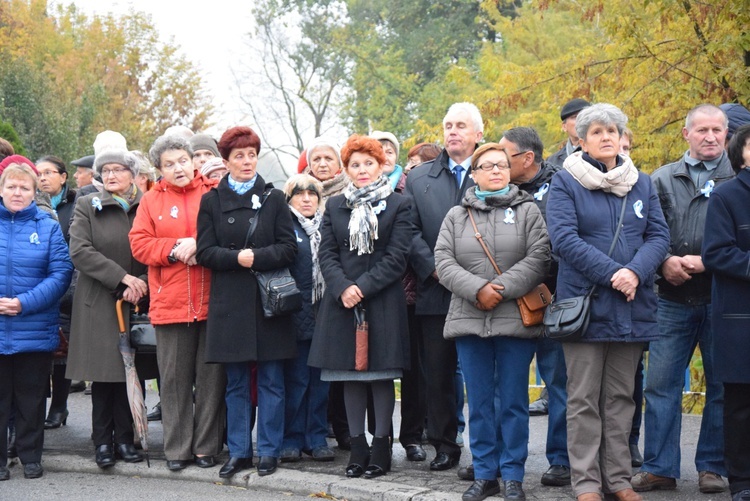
[(312, 228), (363, 223), (241, 187), (127, 201), (618, 181)]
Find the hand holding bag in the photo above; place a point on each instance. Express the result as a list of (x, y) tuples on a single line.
[(568, 319), (362, 335), (532, 304), (279, 294)]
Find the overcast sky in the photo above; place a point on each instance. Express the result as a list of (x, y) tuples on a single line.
[(206, 32)]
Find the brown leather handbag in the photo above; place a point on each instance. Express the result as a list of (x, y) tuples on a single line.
[(532, 304)]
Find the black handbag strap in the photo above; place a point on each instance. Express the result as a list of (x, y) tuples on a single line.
[(254, 220), (617, 236)]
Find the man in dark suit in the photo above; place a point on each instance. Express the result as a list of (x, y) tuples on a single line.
[(435, 188)]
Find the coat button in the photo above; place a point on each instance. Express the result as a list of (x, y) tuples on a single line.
[(230, 220), (232, 247)]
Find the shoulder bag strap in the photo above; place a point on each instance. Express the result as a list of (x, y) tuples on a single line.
[(617, 234), (481, 241), (254, 221)]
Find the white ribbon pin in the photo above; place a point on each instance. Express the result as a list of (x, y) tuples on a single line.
[(638, 208), (509, 215), (96, 203), (256, 202), (379, 208), (34, 238), (539, 195), (708, 188), (174, 211)]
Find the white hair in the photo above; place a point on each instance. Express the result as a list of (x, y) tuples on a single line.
[(472, 110)]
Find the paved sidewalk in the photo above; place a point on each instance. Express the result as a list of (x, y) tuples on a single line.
[(69, 449)]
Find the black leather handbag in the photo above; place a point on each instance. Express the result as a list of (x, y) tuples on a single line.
[(568, 319)]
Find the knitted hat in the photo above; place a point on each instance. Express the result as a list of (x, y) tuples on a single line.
[(179, 130), (17, 159), (204, 142), (330, 143), (572, 107), (380, 135), (111, 148), (737, 116), (87, 161), (211, 165), (302, 162)]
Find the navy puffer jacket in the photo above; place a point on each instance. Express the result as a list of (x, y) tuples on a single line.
[(37, 271)]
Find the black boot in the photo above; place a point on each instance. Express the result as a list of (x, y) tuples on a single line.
[(12, 451), (380, 461), (359, 457)]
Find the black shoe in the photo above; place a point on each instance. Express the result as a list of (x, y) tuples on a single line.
[(415, 452), (539, 407), (380, 457), (155, 414), (12, 450), (557, 475), (177, 464), (267, 465), (514, 490), (481, 489), (105, 456), (323, 453), (443, 461), (56, 419), (344, 442), (205, 461), (290, 455), (636, 460), (235, 465), (359, 458), (77, 387), (4, 473), (32, 470), (128, 453), (466, 473)]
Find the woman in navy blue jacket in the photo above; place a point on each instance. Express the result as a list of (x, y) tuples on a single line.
[(34, 275), (583, 209), (726, 252)]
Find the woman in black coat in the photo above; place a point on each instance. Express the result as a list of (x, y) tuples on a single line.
[(726, 253), (365, 240), (237, 331)]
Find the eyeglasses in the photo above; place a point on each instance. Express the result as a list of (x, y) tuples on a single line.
[(490, 166), (117, 172), (48, 173), (516, 154)]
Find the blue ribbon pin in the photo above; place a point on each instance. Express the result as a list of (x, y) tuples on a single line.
[(708, 188), (509, 214), (379, 208), (539, 195), (256, 202), (96, 203), (173, 212), (34, 238), (638, 208)]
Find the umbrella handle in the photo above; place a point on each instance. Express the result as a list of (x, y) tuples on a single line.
[(120, 319)]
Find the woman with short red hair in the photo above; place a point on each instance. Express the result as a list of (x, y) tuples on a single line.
[(365, 240)]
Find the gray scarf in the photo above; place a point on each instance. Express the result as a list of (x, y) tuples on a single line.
[(363, 223), (312, 228)]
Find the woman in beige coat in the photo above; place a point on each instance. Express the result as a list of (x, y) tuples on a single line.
[(484, 318), (100, 251)]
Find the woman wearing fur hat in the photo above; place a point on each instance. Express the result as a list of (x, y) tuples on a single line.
[(324, 164), (101, 253)]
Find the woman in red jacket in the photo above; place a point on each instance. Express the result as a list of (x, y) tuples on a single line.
[(163, 237)]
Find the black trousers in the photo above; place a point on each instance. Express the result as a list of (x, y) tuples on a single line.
[(111, 420), (24, 383), (413, 404), (439, 364), (737, 435)]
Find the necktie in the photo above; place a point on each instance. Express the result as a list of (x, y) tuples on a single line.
[(457, 171)]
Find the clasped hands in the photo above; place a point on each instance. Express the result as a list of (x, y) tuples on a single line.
[(351, 296), (10, 306), (678, 269), (625, 281), (489, 296), (136, 289), (185, 250)]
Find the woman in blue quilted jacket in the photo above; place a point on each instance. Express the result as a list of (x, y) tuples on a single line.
[(33, 277)]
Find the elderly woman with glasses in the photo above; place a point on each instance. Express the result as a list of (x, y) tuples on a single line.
[(164, 238), (586, 199), (494, 347)]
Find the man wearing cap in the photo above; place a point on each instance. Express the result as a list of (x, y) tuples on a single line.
[(568, 116), (435, 188), (204, 148), (84, 174)]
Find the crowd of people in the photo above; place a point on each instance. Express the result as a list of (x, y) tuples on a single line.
[(432, 257)]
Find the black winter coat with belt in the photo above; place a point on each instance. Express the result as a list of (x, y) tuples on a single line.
[(378, 275), (237, 331)]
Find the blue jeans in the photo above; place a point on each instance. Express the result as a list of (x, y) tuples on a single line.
[(305, 422), (681, 328), (239, 410), (271, 396), (460, 399), (480, 359), (551, 362)]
